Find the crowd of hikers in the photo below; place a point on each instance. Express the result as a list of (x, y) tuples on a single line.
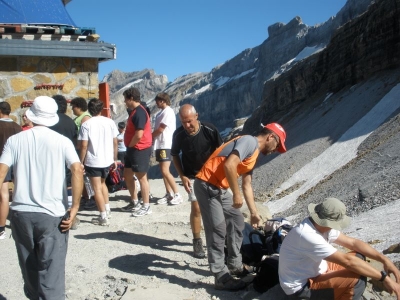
[(55, 161)]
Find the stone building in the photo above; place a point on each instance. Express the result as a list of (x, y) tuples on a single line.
[(39, 59)]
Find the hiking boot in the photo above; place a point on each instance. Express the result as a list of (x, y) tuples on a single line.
[(198, 250), (176, 200), (3, 235), (164, 200), (131, 207), (142, 212), (75, 223), (232, 284), (100, 221)]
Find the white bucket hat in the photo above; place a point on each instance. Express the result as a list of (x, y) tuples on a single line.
[(43, 111)]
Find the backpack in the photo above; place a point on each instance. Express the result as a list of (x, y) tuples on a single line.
[(115, 180), (266, 253), (267, 274), (260, 242)]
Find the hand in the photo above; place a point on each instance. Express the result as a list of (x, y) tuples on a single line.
[(392, 287), (186, 184), (390, 268), (255, 220), (237, 201), (66, 225)]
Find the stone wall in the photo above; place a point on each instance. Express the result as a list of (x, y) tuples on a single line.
[(25, 78)]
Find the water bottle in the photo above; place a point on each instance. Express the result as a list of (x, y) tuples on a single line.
[(88, 186)]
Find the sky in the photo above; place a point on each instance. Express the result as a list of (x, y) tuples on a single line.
[(179, 37)]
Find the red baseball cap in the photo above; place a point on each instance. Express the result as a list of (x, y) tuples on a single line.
[(279, 131)]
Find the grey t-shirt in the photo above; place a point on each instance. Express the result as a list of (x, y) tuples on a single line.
[(245, 146)]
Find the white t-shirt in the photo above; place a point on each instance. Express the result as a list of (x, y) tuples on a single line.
[(121, 145), (38, 157), (99, 131), (166, 117), (302, 255)]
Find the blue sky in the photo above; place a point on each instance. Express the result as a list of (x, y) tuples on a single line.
[(179, 37)]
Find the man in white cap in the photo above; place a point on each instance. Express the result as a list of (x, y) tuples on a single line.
[(38, 157), (220, 210), (311, 268)]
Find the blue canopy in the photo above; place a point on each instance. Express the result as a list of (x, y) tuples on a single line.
[(40, 12)]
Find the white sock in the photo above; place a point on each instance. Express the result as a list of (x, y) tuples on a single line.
[(103, 215), (146, 205), (135, 201), (107, 206)]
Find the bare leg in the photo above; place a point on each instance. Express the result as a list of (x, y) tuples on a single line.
[(98, 193), (144, 186), (169, 180), (195, 219), (130, 183)]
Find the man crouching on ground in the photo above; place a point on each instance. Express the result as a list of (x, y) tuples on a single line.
[(38, 157), (311, 268), (220, 210)]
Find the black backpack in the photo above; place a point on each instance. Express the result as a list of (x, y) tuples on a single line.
[(266, 274)]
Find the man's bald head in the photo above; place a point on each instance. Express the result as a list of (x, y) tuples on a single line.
[(187, 109), (188, 117)]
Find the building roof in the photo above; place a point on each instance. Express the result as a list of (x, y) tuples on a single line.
[(21, 47), (49, 12)]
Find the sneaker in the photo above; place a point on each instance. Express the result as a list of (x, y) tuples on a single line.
[(142, 212), (89, 204), (131, 207), (100, 221), (75, 223), (198, 250), (232, 284), (177, 200), (108, 212), (3, 235), (166, 199)]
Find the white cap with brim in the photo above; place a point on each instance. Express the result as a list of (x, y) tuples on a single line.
[(330, 213), (43, 111)]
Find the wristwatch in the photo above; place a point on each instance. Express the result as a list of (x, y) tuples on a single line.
[(384, 274)]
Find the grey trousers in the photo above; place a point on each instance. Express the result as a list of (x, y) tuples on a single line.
[(42, 250), (220, 220)]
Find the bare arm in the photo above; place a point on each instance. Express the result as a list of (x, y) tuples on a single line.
[(249, 197), (365, 249), (115, 143), (230, 167), (77, 186), (159, 130), (3, 172), (359, 266), (178, 166), (83, 150), (136, 138)]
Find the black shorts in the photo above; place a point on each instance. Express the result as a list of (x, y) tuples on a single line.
[(138, 160), (97, 172), (163, 155)]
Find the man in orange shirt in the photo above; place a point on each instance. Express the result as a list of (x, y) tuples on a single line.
[(220, 210)]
